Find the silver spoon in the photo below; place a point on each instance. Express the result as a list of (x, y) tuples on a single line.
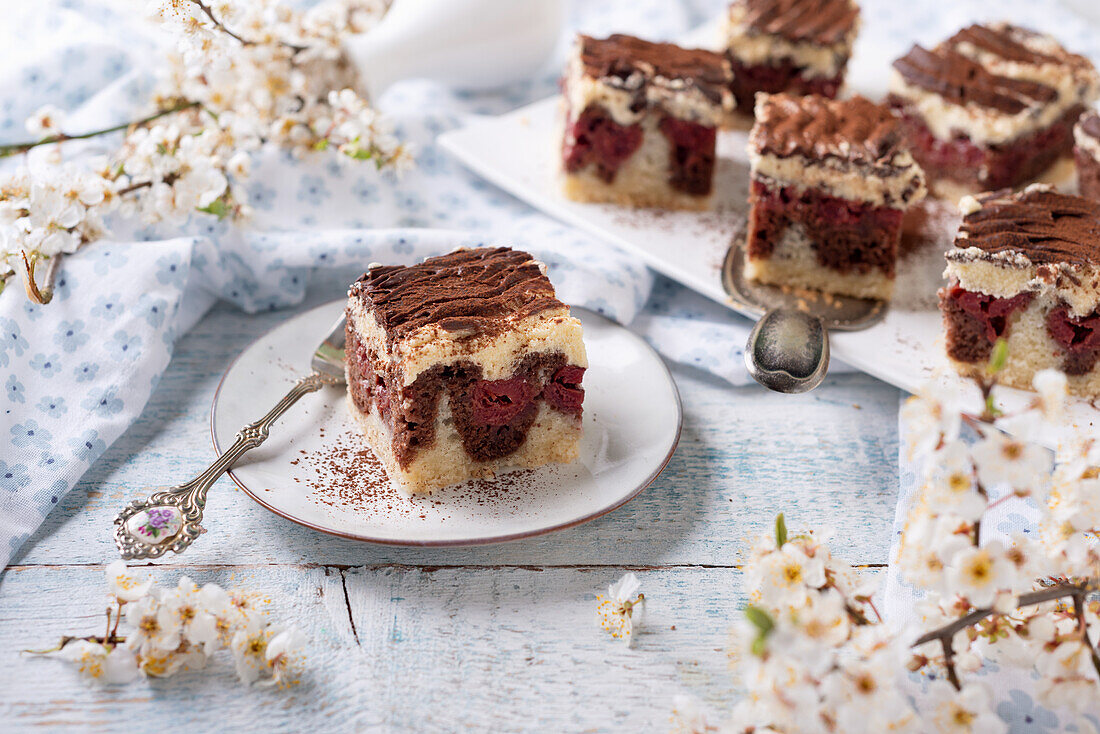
[(788, 349), (172, 519)]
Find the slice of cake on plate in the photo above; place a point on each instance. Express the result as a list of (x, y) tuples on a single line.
[(462, 365), (830, 182), (1026, 268), (1086, 154), (641, 121), (798, 46), (992, 107)]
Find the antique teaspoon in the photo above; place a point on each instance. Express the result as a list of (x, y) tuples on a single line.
[(788, 349), (171, 520)]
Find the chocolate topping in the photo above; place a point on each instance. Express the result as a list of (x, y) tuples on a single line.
[(817, 21), (855, 129), (467, 290), (620, 56), (1089, 124), (1045, 226), (951, 71)]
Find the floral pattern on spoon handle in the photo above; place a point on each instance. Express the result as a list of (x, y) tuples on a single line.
[(171, 520)]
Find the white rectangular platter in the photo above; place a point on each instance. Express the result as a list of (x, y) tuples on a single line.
[(519, 153)]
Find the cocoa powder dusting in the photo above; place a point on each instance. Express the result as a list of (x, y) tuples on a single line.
[(347, 475)]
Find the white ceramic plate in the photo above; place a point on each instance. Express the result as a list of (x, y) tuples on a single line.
[(315, 470), (519, 153)]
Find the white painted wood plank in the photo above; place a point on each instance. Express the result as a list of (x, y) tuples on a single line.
[(745, 455), (441, 649)]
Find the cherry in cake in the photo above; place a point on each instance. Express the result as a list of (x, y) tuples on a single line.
[(462, 365), (641, 121), (1086, 154), (991, 107), (797, 46), (1026, 268), (830, 181)]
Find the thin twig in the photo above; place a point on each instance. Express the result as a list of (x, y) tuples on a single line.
[(946, 634), (11, 149), (219, 25), (1083, 627), (224, 29)]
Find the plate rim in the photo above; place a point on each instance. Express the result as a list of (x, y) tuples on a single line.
[(472, 542)]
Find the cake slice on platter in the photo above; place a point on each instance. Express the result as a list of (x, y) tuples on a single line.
[(462, 365), (1086, 154), (830, 181), (641, 122), (992, 107), (797, 46), (1026, 268)]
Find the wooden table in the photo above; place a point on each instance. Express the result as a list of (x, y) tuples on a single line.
[(499, 638)]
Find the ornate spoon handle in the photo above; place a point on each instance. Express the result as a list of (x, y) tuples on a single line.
[(171, 520)]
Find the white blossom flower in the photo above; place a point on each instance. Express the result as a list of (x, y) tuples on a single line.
[(969, 711), (1052, 389), (1067, 676), (99, 663), (229, 612), (46, 121), (185, 605), (285, 657), (688, 715), (122, 584), (1007, 462), (931, 416), (157, 663), (249, 648), (979, 573), (621, 610), (782, 577), (156, 628), (825, 618), (951, 485)]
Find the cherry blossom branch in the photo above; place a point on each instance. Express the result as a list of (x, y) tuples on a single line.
[(11, 149), (224, 29), (1063, 590)]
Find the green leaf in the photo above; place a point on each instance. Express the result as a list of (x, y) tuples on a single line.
[(780, 530), (764, 625), (219, 208), (321, 144), (759, 619), (990, 408), (360, 154), (1000, 356)]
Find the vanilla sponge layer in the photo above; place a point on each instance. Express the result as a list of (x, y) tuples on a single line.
[(619, 96), (554, 437), (1007, 274), (496, 353), (846, 182), (753, 48), (641, 181)]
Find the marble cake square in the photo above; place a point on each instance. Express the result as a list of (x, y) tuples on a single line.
[(1026, 268), (1086, 154), (640, 122), (797, 46), (992, 107), (462, 365), (830, 181)]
